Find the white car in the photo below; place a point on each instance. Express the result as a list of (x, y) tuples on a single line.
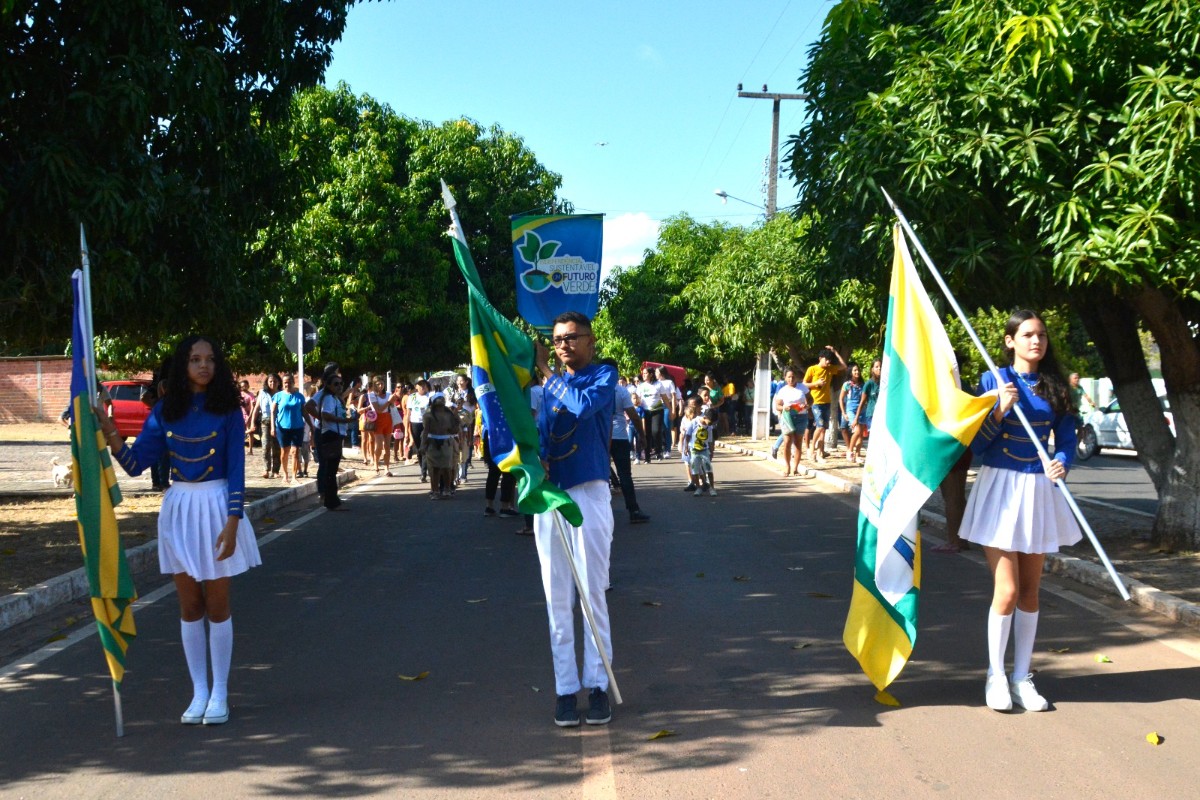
[(1105, 427)]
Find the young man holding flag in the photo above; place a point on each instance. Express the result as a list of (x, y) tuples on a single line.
[(575, 425)]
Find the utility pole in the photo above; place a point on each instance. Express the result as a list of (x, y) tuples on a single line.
[(761, 424), (773, 168)]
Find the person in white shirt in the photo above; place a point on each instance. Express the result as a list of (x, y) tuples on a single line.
[(791, 405), (653, 404), (414, 424)]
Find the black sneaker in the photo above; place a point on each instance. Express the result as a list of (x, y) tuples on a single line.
[(691, 487), (566, 715), (636, 516), (599, 712)]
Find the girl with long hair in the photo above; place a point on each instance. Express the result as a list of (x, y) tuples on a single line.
[(204, 538), (1014, 511), (791, 406)]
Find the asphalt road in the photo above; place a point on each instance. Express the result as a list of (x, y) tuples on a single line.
[(1115, 477), (727, 616)]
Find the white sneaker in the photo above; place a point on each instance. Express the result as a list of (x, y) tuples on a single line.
[(712, 492), (997, 694), (1026, 695), (217, 712), (195, 712), (698, 493)]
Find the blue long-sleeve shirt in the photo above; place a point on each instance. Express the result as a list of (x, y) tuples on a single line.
[(202, 446), (575, 424), (1005, 445)]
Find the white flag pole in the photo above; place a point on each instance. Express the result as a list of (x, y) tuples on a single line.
[(581, 590), (987, 359), (89, 369)]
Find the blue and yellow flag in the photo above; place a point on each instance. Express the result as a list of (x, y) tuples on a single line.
[(923, 422), (502, 371), (96, 496)]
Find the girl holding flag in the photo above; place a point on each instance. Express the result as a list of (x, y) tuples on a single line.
[(1014, 511), (203, 536)]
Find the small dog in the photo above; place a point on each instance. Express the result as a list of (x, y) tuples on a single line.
[(61, 474)]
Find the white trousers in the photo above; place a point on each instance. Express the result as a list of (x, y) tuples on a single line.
[(592, 545)]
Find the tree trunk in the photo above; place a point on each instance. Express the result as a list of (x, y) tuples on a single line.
[(796, 357), (1112, 322), (1177, 526), (1173, 463)]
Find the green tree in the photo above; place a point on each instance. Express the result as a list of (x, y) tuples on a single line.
[(359, 244), (765, 290), (644, 315), (144, 122), (1048, 154)]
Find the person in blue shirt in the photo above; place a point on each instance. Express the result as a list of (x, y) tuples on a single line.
[(1015, 512), (574, 427), (287, 426), (204, 538)]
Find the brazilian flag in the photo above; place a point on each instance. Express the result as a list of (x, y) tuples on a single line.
[(502, 371), (96, 496)]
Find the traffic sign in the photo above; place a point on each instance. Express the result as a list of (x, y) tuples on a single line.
[(291, 335)]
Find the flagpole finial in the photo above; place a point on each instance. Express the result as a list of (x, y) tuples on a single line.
[(447, 198)]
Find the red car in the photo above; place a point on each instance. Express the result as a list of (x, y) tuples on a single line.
[(128, 410)]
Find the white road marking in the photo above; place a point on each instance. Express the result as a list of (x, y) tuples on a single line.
[(599, 777)]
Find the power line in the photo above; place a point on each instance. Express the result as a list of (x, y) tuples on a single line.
[(765, 40)]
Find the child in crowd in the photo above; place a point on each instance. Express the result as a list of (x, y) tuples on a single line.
[(439, 446), (848, 399), (687, 425), (819, 380), (702, 449), (866, 408)]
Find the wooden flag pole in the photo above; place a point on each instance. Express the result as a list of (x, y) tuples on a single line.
[(581, 590), (987, 359)]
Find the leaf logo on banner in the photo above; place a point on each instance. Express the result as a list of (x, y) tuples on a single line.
[(533, 251)]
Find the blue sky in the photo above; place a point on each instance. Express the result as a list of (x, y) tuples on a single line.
[(633, 103)]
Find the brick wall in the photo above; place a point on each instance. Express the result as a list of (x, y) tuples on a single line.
[(27, 396), (34, 389)]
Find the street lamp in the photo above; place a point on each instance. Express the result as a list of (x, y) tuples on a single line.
[(726, 197)]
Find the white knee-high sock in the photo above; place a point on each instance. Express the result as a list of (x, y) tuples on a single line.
[(220, 643), (999, 626), (1024, 632), (195, 649)]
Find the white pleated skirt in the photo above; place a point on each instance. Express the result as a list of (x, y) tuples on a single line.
[(1021, 512), (191, 519)]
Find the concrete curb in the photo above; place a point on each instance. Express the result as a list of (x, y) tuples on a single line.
[(20, 606), (1076, 569)]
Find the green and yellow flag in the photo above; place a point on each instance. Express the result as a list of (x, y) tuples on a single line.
[(922, 423), (96, 496), (502, 371)]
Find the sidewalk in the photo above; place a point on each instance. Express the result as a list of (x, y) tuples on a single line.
[(1122, 535)]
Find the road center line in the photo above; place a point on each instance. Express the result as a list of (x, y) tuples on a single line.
[(599, 778)]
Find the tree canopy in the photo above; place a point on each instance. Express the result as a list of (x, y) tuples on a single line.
[(147, 126), (714, 295), (1046, 155), (358, 241)]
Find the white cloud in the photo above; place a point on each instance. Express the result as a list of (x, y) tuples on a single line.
[(626, 238)]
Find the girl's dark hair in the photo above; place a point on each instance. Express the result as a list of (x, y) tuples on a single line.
[(470, 389), (850, 372), (222, 395), (267, 381), (1053, 386)]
